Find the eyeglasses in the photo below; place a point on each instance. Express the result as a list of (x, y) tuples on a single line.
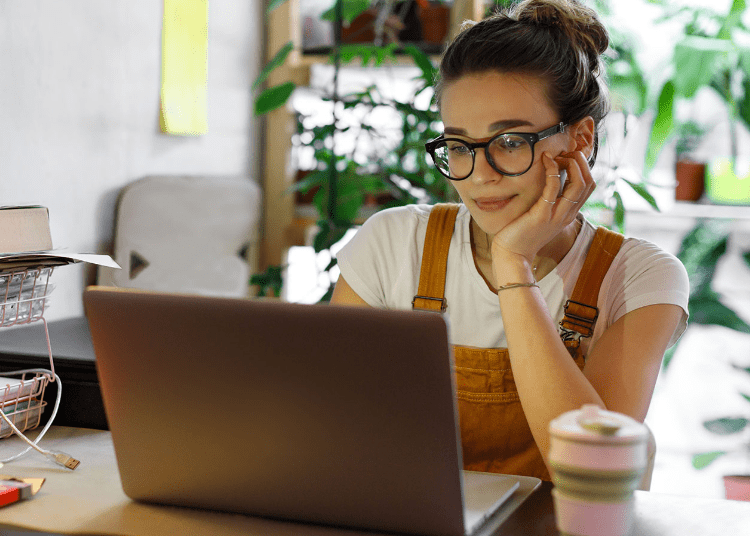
[(509, 153)]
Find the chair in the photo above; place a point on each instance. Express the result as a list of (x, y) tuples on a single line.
[(186, 234)]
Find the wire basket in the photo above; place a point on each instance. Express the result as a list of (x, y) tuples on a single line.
[(23, 295), (22, 401), (23, 299)]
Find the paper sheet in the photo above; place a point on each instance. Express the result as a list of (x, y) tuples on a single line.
[(183, 67)]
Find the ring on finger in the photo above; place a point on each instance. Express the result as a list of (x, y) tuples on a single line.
[(558, 176), (546, 201), (569, 200)]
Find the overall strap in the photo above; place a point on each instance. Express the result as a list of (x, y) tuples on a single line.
[(431, 293), (581, 311)]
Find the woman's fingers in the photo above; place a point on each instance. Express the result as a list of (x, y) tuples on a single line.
[(581, 183), (564, 201)]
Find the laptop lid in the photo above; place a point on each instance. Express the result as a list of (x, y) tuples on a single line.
[(316, 413)]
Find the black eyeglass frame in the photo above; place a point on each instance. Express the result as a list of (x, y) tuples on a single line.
[(532, 138)]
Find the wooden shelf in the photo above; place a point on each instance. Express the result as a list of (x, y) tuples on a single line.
[(684, 209), (283, 223)]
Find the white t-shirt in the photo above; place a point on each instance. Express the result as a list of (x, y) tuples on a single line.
[(382, 263)]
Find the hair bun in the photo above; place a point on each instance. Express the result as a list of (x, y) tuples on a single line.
[(578, 22)]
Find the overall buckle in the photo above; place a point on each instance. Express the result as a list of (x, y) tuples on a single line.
[(443, 302)]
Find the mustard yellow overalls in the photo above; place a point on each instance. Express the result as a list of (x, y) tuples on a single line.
[(495, 435)]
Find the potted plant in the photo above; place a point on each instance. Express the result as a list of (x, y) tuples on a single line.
[(700, 252), (736, 486), (435, 17), (690, 174), (711, 54), (346, 179)]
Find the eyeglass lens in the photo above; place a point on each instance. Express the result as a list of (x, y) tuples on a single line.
[(509, 154)]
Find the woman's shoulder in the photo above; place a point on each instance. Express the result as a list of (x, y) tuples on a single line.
[(637, 249), (637, 259), (643, 252)]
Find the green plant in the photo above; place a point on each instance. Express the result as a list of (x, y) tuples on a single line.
[(269, 283), (730, 425), (689, 135), (700, 252), (710, 54), (381, 164)]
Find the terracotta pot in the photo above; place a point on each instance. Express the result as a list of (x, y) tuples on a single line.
[(691, 180), (304, 198), (361, 30), (435, 22), (737, 487)]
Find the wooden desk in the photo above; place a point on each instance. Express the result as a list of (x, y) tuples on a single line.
[(90, 500)]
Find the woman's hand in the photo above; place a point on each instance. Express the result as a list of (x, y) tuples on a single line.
[(522, 239)]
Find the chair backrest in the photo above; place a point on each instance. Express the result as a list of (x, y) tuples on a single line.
[(195, 235)]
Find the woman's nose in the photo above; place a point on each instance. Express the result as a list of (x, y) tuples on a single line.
[(483, 171)]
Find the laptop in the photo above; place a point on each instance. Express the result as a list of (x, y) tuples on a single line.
[(316, 413)]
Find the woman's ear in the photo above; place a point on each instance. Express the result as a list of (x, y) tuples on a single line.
[(583, 134)]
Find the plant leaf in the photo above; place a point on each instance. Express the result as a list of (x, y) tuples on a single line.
[(745, 396), (313, 179), (328, 234), (272, 279), (708, 310), (732, 20), (424, 63), (743, 106), (641, 190), (726, 425), (619, 212), (700, 251), (668, 355), (350, 9), (367, 52), (697, 59), (705, 459), (273, 4), (277, 60), (273, 97), (663, 125)]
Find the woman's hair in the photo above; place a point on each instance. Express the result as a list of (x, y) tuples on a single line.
[(558, 40)]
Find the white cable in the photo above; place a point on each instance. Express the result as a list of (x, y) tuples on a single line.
[(60, 458)]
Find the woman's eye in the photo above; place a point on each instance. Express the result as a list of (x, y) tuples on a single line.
[(458, 149), (509, 143)]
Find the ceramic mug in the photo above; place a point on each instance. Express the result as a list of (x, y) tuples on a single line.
[(598, 458)]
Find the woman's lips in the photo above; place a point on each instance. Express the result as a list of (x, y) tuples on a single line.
[(491, 204)]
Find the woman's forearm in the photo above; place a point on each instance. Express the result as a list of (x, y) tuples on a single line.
[(547, 378)]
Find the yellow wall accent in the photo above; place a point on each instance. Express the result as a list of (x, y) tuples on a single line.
[(183, 67)]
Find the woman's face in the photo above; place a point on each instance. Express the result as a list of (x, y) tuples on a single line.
[(479, 106)]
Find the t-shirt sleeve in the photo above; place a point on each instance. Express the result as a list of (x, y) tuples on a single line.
[(380, 250), (648, 275)]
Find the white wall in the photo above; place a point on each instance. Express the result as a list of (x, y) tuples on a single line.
[(79, 113)]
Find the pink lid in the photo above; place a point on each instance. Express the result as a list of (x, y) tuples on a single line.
[(594, 423)]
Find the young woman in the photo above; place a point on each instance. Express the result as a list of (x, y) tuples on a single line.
[(547, 312)]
